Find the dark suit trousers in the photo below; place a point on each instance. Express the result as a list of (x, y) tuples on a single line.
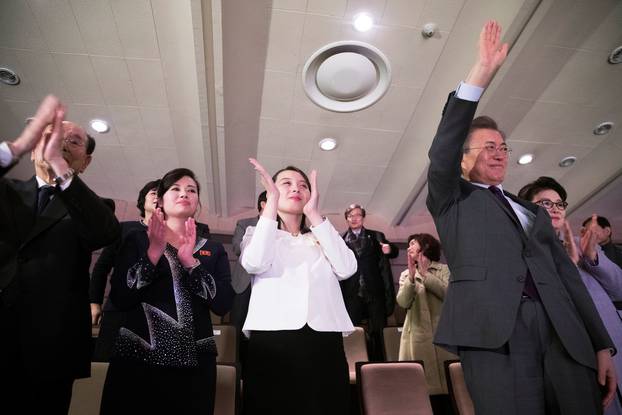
[(25, 393), (531, 374)]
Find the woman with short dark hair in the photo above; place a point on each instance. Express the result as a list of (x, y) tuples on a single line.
[(602, 277), (422, 291), (167, 278)]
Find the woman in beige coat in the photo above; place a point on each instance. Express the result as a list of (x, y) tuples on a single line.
[(422, 290)]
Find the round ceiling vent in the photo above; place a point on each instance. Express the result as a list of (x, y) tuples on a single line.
[(346, 76), (8, 76)]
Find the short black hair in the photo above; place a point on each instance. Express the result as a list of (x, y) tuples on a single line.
[(263, 197), (483, 122), (142, 195), (303, 221), (430, 246), (529, 191), (602, 221), (170, 178), (90, 144)]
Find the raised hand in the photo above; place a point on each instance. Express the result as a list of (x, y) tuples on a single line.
[(33, 132), (412, 264), (156, 232), (589, 239), (185, 251), (311, 208), (52, 150), (423, 263), (569, 244), (491, 55), (272, 192)]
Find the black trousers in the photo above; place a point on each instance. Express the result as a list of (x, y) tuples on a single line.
[(302, 372), (109, 327), (531, 374), (373, 312), (22, 392)]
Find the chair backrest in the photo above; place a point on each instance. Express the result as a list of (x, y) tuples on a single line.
[(396, 388), (456, 386), (216, 319), (226, 390), (392, 337), (226, 343), (87, 393), (355, 347)]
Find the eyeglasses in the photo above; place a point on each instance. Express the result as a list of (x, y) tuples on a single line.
[(74, 141), (548, 204), (492, 149), (355, 215)]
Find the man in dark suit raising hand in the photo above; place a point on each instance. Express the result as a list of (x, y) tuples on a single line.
[(49, 226), (516, 310)]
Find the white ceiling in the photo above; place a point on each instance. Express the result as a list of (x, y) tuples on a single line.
[(207, 84)]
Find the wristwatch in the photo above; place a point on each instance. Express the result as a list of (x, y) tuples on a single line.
[(60, 180)]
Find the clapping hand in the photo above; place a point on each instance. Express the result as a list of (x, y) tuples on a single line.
[(186, 249), (272, 192), (589, 239), (156, 232), (423, 263), (569, 244), (311, 208), (45, 115)]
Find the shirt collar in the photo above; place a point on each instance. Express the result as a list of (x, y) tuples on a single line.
[(486, 186), (41, 183)]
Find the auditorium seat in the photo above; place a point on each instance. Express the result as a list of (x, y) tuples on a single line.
[(391, 337), (393, 388), (226, 343), (87, 393), (226, 390), (355, 347), (456, 386)]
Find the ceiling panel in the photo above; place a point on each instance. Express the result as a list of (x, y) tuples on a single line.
[(328, 7), (403, 12), (374, 8), (76, 72), (148, 82), (134, 20), (283, 50), (278, 94), (18, 27), (58, 25), (114, 79), (128, 125), (97, 27), (298, 5)]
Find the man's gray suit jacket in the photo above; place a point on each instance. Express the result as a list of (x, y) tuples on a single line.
[(240, 279), (489, 255)]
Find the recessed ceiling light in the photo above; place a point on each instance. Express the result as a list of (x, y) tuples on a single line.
[(615, 56), (567, 161), (328, 144), (100, 126), (363, 22), (9, 77), (525, 159), (603, 128)]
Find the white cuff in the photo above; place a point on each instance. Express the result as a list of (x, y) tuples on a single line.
[(469, 92), (6, 157)]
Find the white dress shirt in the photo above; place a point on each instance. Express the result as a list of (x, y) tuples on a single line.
[(295, 279)]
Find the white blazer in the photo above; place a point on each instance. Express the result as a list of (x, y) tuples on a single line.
[(296, 278)]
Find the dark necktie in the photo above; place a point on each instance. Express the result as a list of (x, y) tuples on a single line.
[(529, 288), (43, 197)]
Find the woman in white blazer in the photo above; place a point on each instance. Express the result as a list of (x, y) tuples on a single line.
[(296, 317)]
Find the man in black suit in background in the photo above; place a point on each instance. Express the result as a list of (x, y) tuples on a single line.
[(49, 226), (516, 310), (370, 293)]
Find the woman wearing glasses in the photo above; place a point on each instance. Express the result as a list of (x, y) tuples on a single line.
[(602, 277)]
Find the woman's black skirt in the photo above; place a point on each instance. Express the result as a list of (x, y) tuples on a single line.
[(296, 372)]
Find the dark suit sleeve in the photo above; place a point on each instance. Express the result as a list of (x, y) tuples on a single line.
[(95, 223), (238, 234), (215, 288), (445, 154), (581, 298), (387, 273), (101, 269)]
